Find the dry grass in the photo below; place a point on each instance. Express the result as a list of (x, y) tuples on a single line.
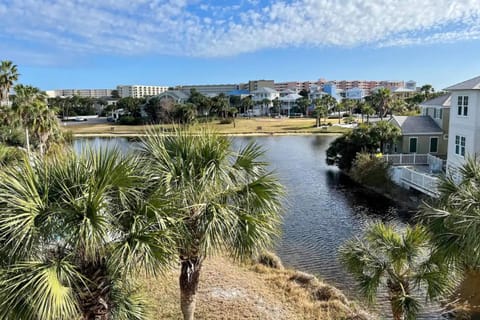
[(231, 291), (242, 126)]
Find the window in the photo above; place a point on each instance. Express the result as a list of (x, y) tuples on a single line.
[(433, 145), (462, 106), (460, 145), (413, 145)]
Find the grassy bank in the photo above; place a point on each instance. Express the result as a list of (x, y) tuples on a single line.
[(231, 291), (257, 126)]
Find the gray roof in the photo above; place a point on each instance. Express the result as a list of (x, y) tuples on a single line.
[(413, 125), (179, 95), (472, 84), (444, 101)]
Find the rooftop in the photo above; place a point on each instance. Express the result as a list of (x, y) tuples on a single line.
[(444, 101), (471, 84), (417, 125)]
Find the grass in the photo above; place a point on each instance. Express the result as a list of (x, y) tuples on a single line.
[(242, 126), (231, 291)]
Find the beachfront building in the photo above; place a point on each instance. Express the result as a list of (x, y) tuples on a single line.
[(140, 91), (88, 93), (464, 127), (210, 90)]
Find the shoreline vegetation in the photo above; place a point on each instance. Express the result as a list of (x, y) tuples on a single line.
[(253, 290), (253, 127)]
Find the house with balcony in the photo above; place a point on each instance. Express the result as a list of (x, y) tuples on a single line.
[(260, 98), (418, 157)]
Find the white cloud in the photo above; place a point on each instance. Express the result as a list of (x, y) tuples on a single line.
[(202, 28)]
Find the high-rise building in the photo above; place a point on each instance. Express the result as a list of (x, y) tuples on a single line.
[(140, 91), (209, 89)]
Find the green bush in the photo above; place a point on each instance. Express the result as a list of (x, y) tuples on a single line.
[(371, 170), (129, 120), (226, 121)]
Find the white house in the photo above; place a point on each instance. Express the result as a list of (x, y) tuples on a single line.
[(355, 94), (464, 127), (261, 95)]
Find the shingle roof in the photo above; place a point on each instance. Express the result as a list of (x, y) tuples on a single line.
[(417, 125), (444, 101), (175, 93), (471, 84)]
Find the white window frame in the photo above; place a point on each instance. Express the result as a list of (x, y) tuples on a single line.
[(462, 106), (459, 146)]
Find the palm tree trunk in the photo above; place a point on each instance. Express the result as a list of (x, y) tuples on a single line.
[(94, 300), (189, 279)]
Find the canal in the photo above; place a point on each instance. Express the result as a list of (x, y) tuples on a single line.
[(323, 208)]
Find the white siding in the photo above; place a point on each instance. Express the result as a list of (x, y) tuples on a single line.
[(468, 127)]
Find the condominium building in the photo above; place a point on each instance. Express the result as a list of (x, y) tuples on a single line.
[(91, 93), (140, 91), (210, 90), (254, 85)]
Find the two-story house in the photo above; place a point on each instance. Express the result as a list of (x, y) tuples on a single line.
[(464, 128)]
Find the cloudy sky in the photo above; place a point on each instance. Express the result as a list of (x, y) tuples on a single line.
[(93, 43)]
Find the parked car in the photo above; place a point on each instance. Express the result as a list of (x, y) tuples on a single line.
[(80, 119)]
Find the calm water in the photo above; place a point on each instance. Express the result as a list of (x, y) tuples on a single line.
[(323, 207)]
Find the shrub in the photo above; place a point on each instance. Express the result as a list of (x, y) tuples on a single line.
[(226, 121), (370, 170), (129, 120), (270, 260)]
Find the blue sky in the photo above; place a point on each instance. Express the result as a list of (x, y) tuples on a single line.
[(99, 44)]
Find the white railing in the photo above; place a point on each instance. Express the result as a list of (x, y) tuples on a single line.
[(436, 164), (406, 159), (423, 182)]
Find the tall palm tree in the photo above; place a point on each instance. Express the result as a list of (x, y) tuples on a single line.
[(224, 200), (382, 99), (320, 111), (74, 230), (33, 114), (385, 132), (8, 75), (399, 261), (367, 110)]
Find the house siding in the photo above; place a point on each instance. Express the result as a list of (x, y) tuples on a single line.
[(423, 144), (465, 127)]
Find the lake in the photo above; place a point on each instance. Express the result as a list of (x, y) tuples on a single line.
[(323, 208)]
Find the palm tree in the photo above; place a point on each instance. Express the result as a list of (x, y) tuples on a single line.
[(367, 110), (329, 101), (224, 200), (75, 230), (8, 75), (320, 110), (303, 104), (382, 99), (399, 261), (427, 90), (265, 104), (33, 114), (276, 105), (454, 219), (385, 132)]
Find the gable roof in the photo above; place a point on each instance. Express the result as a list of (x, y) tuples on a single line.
[(176, 94), (416, 125), (471, 84), (444, 101)]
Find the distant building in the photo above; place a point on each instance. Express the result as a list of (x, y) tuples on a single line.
[(254, 85), (174, 96), (209, 90), (355, 93), (140, 91), (412, 85), (91, 93), (259, 98)]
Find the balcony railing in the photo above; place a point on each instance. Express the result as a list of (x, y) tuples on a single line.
[(423, 182), (412, 159)]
